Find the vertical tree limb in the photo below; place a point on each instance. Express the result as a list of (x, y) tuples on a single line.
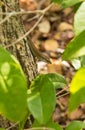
[(10, 31)]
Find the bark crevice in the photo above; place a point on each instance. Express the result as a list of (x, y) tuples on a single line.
[(10, 31)]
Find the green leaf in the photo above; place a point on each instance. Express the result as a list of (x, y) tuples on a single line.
[(2, 129), (76, 63), (54, 126), (76, 125), (35, 124), (67, 3), (79, 62), (76, 7), (79, 19), (75, 48), (82, 61), (50, 125), (77, 89), (41, 99), (57, 80), (57, 1), (13, 87)]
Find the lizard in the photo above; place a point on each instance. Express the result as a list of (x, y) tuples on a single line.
[(36, 53)]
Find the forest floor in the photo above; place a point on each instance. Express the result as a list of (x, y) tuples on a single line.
[(51, 36)]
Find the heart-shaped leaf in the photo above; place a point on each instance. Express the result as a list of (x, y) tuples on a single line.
[(42, 99), (13, 87)]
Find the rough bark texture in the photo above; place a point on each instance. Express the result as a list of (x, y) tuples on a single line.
[(10, 31)]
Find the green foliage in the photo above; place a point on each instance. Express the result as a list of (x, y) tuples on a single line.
[(2, 129), (57, 80), (56, 126), (79, 19), (75, 48), (76, 6), (13, 87), (76, 125), (67, 3), (50, 125), (77, 89), (57, 1), (42, 97), (82, 61)]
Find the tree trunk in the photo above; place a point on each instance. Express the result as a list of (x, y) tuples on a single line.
[(10, 31)]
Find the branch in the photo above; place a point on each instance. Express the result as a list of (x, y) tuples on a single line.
[(24, 12), (6, 18), (35, 25), (26, 34)]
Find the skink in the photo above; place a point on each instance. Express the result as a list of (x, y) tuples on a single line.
[(36, 52)]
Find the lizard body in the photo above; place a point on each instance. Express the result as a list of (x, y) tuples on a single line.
[(36, 52)]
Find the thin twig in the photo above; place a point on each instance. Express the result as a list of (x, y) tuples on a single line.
[(28, 12), (13, 125), (40, 4), (63, 95), (24, 12), (26, 34), (62, 91), (40, 128), (35, 25), (6, 18), (16, 13), (30, 19)]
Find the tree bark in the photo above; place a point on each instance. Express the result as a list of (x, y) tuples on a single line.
[(10, 31)]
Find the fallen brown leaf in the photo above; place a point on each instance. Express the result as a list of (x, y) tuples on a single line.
[(44, 26), (51, 45), (65, 26)]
